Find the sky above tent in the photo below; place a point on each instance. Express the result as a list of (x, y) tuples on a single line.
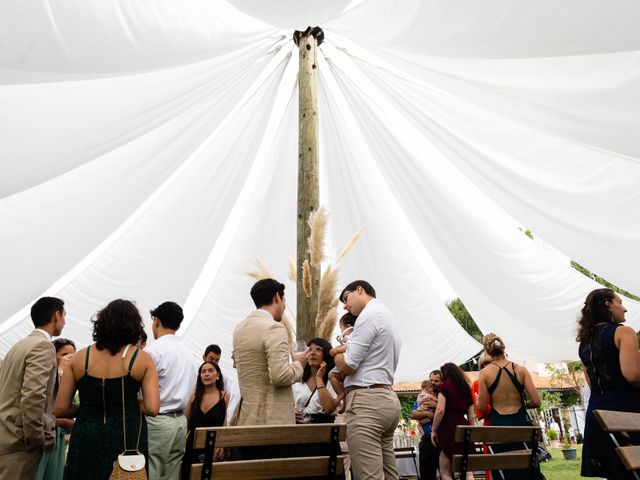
[(149, 152)]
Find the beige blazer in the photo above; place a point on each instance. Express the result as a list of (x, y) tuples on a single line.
[(264, 372), (27, 378)]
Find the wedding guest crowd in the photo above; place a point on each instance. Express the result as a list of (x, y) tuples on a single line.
[(113, 396)]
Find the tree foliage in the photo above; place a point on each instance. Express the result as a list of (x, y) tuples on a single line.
[(464, 318)]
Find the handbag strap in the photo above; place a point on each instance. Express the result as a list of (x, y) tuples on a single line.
[(310, 396), (124, 423)]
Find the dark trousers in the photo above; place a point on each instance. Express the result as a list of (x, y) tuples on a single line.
[(428, 458)]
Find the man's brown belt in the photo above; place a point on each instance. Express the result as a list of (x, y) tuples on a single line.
[(375, 385)]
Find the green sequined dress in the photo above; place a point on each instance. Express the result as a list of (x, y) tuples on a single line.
[(97, 439)]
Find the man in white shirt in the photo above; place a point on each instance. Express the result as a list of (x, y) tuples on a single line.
[(177, 374), (27, 379), (369, 365)]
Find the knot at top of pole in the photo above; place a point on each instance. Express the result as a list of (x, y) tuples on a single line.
[(316, 32)]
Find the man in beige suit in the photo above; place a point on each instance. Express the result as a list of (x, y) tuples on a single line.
[(27, 376), (262, 359)]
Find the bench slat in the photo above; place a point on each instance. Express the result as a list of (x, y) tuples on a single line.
[(630, 456), (618, 421), (496, 434), (520, 459), (269, 468), (270, 435)]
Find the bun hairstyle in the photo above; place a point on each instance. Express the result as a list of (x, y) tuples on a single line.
[(493, 345)]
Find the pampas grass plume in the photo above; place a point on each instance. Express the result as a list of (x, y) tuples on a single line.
[(329, 322), (347, 248), (261, 272), (287, 325), (306, 278), (293, 273), (318, 221)]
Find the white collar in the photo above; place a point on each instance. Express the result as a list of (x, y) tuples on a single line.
[(45, 333), (266, 312)]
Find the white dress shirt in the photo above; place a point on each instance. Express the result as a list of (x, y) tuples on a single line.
[(234, 396), (177, 372), (374, 347)]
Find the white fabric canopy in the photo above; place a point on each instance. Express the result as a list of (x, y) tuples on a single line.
[(149, 152)]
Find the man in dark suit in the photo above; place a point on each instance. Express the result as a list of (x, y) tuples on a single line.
[(27, 376)]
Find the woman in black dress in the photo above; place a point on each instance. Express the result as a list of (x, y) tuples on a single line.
[(610, 358), (105, 374), (207, 408)]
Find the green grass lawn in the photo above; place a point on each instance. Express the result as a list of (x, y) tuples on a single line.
[(561, 469)]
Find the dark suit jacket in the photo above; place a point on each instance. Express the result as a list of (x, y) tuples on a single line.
[(27, 378)]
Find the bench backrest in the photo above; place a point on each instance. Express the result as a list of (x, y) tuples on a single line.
[(617, 424), (514, 460), (266, 435)]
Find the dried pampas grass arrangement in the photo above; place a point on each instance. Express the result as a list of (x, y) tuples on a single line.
[(327, 297), (293, 273), (328, 323), (306, 278), (347, 248), (287, 325), (318, 221), (261, 272)]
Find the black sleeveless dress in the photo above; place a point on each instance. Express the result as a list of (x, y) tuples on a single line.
[(517, 419), (609, 391), (214, 417), (97, 438)]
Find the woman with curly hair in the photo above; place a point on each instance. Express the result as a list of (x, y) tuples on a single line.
[(506, 383), (609, 354), (455, 407), (105, 373)]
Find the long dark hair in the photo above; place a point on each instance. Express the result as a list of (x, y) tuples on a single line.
[(327, 358), (197, 398), (595, 311), (453, 373)]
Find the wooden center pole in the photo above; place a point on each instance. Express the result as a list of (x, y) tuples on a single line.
[(308, 181)]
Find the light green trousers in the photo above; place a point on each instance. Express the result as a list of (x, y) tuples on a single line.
[(167, 439)]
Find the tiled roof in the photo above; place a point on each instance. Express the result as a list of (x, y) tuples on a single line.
[(541, 383)]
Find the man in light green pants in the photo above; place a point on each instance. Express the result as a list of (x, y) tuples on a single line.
[(177, 373)]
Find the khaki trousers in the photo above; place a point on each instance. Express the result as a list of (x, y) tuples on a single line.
[(167, 440), (372, 416), (20, 465)]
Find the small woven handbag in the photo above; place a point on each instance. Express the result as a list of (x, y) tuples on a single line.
[(130, 463)]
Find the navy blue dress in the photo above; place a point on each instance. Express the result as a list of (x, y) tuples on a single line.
[(609, 391)]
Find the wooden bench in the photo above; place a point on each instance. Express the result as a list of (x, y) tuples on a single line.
[(525, 459), (618, 425), (207, 439)]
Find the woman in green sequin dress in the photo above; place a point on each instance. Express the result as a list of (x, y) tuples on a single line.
[(99, 373)]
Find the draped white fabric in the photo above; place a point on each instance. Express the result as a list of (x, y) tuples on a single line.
[(149, 152)]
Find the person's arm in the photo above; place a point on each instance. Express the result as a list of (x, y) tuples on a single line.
[(227, 397), (326, 399), (416, 414), (64, 406), (150, 394), (437, 418), (359, 343), (40, 362), (471, 414), (534, 398), (281, 372), (627, 342), (187, 410), (586, 374), (482, 401)]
